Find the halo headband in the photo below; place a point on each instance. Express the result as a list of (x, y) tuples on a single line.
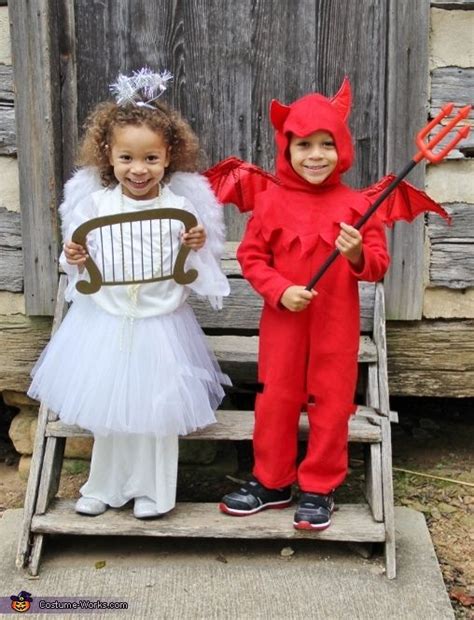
[(140, 88)]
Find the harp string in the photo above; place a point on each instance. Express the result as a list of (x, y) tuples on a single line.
[(150, 254)]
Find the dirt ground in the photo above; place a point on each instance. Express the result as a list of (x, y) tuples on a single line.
[(434, 438)]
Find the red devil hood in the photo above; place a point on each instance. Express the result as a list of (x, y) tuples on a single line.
[(312, 113)]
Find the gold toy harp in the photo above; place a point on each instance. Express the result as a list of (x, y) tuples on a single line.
[(151, 227)]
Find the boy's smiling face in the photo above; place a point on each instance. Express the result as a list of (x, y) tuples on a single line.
[(313, 157)]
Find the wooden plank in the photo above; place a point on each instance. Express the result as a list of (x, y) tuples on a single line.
[(373, 479), (284, 71), (238, 426), (11, 259), (463, 150), (7, 93), (407, 71), (348, 34), (7, 112), (451, 248), (388, 507), (237, 355), (238, 350), (35, 555), (50, 472), (229, 262), (431, 358), (22, 339), (461, 228), (37, 458), (7, 131), (68, 94), (351, 522), (242, 309), (452, 265), (320, 64), (221, 96), (454, 84), (465, 5), (34, 53), (380, 341)]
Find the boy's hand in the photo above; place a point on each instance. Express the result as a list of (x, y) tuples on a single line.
[(297, 298), (349, 243), (75, 254), (195, 238)]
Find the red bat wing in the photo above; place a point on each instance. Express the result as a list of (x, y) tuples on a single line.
[(404, 203), (237, 181)]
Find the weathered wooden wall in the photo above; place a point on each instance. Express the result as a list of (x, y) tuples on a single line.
[(406, 96), (230, 59), (216, 64), (35, 61)]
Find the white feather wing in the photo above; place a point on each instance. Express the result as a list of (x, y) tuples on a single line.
[(197, 190), (82, 184)]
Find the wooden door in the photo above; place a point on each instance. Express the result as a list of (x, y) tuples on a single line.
[(230, 58)]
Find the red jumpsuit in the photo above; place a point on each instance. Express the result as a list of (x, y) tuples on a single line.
[(307, 357)]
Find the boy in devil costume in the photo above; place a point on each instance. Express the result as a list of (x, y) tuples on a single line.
[(308, 341)]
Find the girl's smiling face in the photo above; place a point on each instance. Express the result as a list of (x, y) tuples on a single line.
[(313, 157), (139, 156)]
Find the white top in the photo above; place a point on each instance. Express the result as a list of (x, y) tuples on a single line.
[(160, 244)]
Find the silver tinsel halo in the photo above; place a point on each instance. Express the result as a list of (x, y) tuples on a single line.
[(140, 88)]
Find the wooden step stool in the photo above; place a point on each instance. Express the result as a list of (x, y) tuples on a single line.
[(236, 349)]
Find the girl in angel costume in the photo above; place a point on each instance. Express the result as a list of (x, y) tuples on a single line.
[(130, 362)]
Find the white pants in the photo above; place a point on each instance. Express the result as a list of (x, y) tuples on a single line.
[(124, 467)]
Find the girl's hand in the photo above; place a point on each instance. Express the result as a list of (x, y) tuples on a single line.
[(297, 298), (349, 243), (195, 238), (75, 254)]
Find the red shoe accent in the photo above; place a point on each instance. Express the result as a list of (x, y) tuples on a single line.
[(306, 525)]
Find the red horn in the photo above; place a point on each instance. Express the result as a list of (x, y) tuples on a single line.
[(278, 114), (342, 100)]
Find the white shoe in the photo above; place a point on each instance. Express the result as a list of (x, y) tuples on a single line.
[(90, 506), (145, 508)]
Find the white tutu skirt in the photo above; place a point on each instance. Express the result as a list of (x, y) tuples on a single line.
[(113, 374)]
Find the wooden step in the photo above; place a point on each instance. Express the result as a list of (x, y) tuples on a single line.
[(238, 425), (243, 306), (351, 522), (235, 350)]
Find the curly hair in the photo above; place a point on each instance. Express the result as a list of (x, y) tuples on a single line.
[(100, 125)]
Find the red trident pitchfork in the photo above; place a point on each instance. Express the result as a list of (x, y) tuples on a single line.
[(425, 152)]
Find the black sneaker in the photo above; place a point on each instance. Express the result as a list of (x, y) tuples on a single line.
[(314, 511), (253, 497)]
